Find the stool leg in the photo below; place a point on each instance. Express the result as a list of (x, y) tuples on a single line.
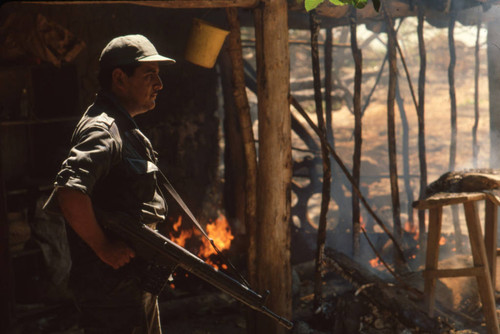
[(490, 238), (480, 260), (432, 257)]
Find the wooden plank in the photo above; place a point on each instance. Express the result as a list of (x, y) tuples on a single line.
[(490, 238), (458, 272), (478, 251), (162, 4), (443, 199), (432, 257)]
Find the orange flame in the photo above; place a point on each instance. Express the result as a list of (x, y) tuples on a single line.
[(362, 222), (375, 262), (411, 228), (219, 231), (442, 241), (183, 236)]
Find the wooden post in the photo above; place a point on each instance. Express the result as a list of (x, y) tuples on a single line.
[(5, 268), (358, 131), (480, 260), (494, 89), (406, 153), (421, 120), (248, 145), (451, 80), (327, 174), (275, 160), (391, 131), (245, 126), (453, 120), (475, 145), (490, 238), (234, 159), (432, 257)]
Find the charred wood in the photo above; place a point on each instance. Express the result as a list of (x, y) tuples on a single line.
[(401, 301), (473, 180), (484, 180)]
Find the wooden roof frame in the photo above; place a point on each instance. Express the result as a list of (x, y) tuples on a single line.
[(179, 4)]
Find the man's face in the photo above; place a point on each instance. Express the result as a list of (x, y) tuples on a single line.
[(140, 89)]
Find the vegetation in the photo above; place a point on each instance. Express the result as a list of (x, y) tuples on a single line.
[(311, 4)]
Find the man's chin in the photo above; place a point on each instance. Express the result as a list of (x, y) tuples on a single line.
[(149, 107)]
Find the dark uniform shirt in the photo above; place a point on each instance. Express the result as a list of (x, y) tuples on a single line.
[(115, 165)]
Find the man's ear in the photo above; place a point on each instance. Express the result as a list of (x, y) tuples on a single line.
[(118, 78)]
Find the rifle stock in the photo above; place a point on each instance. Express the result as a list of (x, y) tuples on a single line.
[(154, 247)]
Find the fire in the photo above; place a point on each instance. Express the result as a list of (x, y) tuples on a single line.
[(442, 241), (219, 231), (375, 262), (183, 236), (362, 222), (411, 228)]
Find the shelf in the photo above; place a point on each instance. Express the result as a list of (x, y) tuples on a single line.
[(39, 121)]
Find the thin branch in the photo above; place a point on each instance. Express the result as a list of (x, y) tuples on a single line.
[(327, 174), (391, 126), (298, 107), (475, 146), (421, 119), (358, 136)]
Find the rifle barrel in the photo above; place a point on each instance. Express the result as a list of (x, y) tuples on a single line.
[(159, 244)]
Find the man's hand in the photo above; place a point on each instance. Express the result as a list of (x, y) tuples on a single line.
[(115, 253), (78, 211)]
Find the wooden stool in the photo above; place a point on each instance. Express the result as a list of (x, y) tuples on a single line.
[(484, 251)]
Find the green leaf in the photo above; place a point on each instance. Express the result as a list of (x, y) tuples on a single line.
[(338, 2), (311, 4), (360, 3)]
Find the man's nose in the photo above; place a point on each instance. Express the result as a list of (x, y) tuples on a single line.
[(159, 83)]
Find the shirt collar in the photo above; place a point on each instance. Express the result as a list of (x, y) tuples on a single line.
[(114, 100)]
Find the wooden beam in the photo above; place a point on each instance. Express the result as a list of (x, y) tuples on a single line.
[(275, 160), (179, 4)]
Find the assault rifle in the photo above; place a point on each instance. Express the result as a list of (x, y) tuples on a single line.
[(156, 249)]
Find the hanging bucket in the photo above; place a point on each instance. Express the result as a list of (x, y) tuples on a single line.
[(204, 43)]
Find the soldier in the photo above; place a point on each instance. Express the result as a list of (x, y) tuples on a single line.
[(111, 167)]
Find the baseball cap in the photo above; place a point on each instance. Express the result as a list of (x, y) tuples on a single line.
[(124, 50)]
